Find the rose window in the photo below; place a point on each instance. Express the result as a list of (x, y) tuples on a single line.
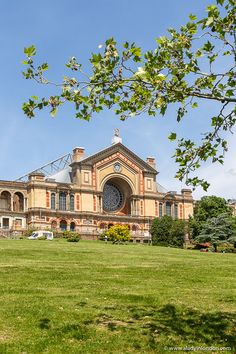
[(112, 197)]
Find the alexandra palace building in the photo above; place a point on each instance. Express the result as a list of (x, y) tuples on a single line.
[(90, 194)]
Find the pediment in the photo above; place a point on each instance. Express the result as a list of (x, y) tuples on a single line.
[(118, 152)]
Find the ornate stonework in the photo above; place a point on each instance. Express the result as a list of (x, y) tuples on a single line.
[(113, 186)]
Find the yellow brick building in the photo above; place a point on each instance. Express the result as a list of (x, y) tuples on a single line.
[(113, 186)]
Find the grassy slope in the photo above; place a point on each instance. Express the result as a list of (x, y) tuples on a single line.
[(60, 297)]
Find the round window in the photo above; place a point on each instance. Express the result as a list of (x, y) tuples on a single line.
[(112, 197)]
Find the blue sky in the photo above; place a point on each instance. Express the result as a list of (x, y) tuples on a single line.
[(61, 29)]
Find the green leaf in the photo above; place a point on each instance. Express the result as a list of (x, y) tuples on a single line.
[(53, 112), (209, 21), (192, 17), (30, 51), (172, 136)]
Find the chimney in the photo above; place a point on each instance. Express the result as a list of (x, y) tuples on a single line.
[(78, 154), (36, 176), (151, 161), (186, 193)]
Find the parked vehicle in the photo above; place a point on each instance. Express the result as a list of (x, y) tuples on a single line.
[(48, 235)]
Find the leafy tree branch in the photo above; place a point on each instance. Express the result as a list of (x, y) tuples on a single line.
[(183, 69)]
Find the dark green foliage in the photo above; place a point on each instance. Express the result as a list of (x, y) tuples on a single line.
[(166, 231), (177, 233), (216, 230), (207, 208), (160, 230)]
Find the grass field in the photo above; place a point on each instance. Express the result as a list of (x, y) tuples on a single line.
[(91, 297)]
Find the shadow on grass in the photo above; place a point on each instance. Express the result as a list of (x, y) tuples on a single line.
[(188, 325), (151, 327)]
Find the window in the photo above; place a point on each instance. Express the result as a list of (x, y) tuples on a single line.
[(53, 201), (176, 211), (72, 226), (160, 210), (168, 208), (62, 201), (5, 201), (72, 202), (18, 222), (63, 225), (5, 223), (18, 202)]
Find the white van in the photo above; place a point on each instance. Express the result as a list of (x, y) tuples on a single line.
[(41, 233)]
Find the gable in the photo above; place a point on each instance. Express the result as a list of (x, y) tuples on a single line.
[(121, 152)]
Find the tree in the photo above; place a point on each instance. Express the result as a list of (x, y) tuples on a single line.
[(216, 230), (177, 233), (185, 67), (160, 230), (166, 231), (118, 233), (207, 208)]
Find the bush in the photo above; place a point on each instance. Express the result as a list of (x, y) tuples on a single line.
[(166, 231), (117, 234), (28, 232), (71, 236), (42, 238), (101, 237)]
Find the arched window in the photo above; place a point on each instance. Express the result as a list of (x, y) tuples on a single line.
[(168, 208), (103, 226), (72, 226), (160, 210), (5, 201), (53, 201), (62, 201), (18, 202), (135, 227), (63, 225), (176, 211), (72, 202)]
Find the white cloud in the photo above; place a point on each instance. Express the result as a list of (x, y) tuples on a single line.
[(221, 177)]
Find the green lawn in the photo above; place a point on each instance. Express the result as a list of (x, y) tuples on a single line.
[(91, 297)]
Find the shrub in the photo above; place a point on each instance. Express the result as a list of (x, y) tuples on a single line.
[(71, 236), (42, 238), (117, 234), (166, 231), (28, 232)]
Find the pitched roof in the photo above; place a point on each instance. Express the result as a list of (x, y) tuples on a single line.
[(119, 147)]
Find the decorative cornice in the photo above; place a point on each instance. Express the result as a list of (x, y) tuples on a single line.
[(91, 160)]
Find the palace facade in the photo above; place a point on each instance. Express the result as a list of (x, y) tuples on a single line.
[(113, 186)]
